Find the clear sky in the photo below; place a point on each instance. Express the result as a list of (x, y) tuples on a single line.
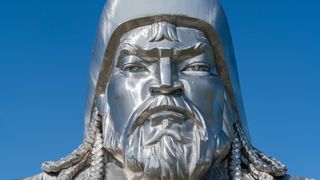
[(45, 48)]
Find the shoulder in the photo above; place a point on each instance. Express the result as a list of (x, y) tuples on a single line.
[(288, 177), (45, 176), (42, 176)]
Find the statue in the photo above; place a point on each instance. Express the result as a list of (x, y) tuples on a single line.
[(164, 99)]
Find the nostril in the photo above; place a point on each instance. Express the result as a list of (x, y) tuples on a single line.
[(166, 90), (154, 90), (179, 90)]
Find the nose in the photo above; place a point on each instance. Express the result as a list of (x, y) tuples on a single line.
[(165, 72), (166, 86)]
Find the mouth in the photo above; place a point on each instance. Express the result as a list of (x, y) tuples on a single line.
[(176, 136), (163, 114), (163, 122), (166, 118)]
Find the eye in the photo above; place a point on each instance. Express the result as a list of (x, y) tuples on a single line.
[(200, 67), (134, 68)]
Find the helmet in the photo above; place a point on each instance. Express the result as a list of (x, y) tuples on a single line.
[(121, 16)]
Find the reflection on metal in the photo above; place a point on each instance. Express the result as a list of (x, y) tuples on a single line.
[(164, 99)]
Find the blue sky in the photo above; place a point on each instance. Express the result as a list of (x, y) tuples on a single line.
[(45, 48)]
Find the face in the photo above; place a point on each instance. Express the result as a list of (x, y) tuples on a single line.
[(164, 101)]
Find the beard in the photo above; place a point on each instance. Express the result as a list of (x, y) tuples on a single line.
[(165, 137)]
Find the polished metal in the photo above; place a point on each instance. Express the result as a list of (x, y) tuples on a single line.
[(164, 99), (162, 126)]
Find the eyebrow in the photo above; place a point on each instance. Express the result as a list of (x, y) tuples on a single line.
[(152, 55)]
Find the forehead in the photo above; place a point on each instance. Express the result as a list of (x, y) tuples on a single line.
[(142, 37)]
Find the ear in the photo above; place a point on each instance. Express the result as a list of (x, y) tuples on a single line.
[(100, 99), (229, 117)]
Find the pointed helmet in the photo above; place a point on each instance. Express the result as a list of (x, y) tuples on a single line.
[(121, 16)]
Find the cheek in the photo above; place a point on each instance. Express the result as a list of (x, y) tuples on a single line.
[(206, 93), (124, 94)]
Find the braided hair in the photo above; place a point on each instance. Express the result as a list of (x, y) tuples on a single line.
[(259, 165), (89, 153)]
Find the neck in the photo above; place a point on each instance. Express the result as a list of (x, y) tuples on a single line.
[(115, 171)]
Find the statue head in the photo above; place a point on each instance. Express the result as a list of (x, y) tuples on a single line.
[(167, 86), (164, 102), (164, 96)]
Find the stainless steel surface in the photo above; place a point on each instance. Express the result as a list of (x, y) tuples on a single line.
[(164, 99), (121, 16), (158, 122)]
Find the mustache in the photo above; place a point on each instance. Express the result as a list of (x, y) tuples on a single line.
[(155, 104)]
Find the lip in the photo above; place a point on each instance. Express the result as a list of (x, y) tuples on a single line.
[(169, 116)]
